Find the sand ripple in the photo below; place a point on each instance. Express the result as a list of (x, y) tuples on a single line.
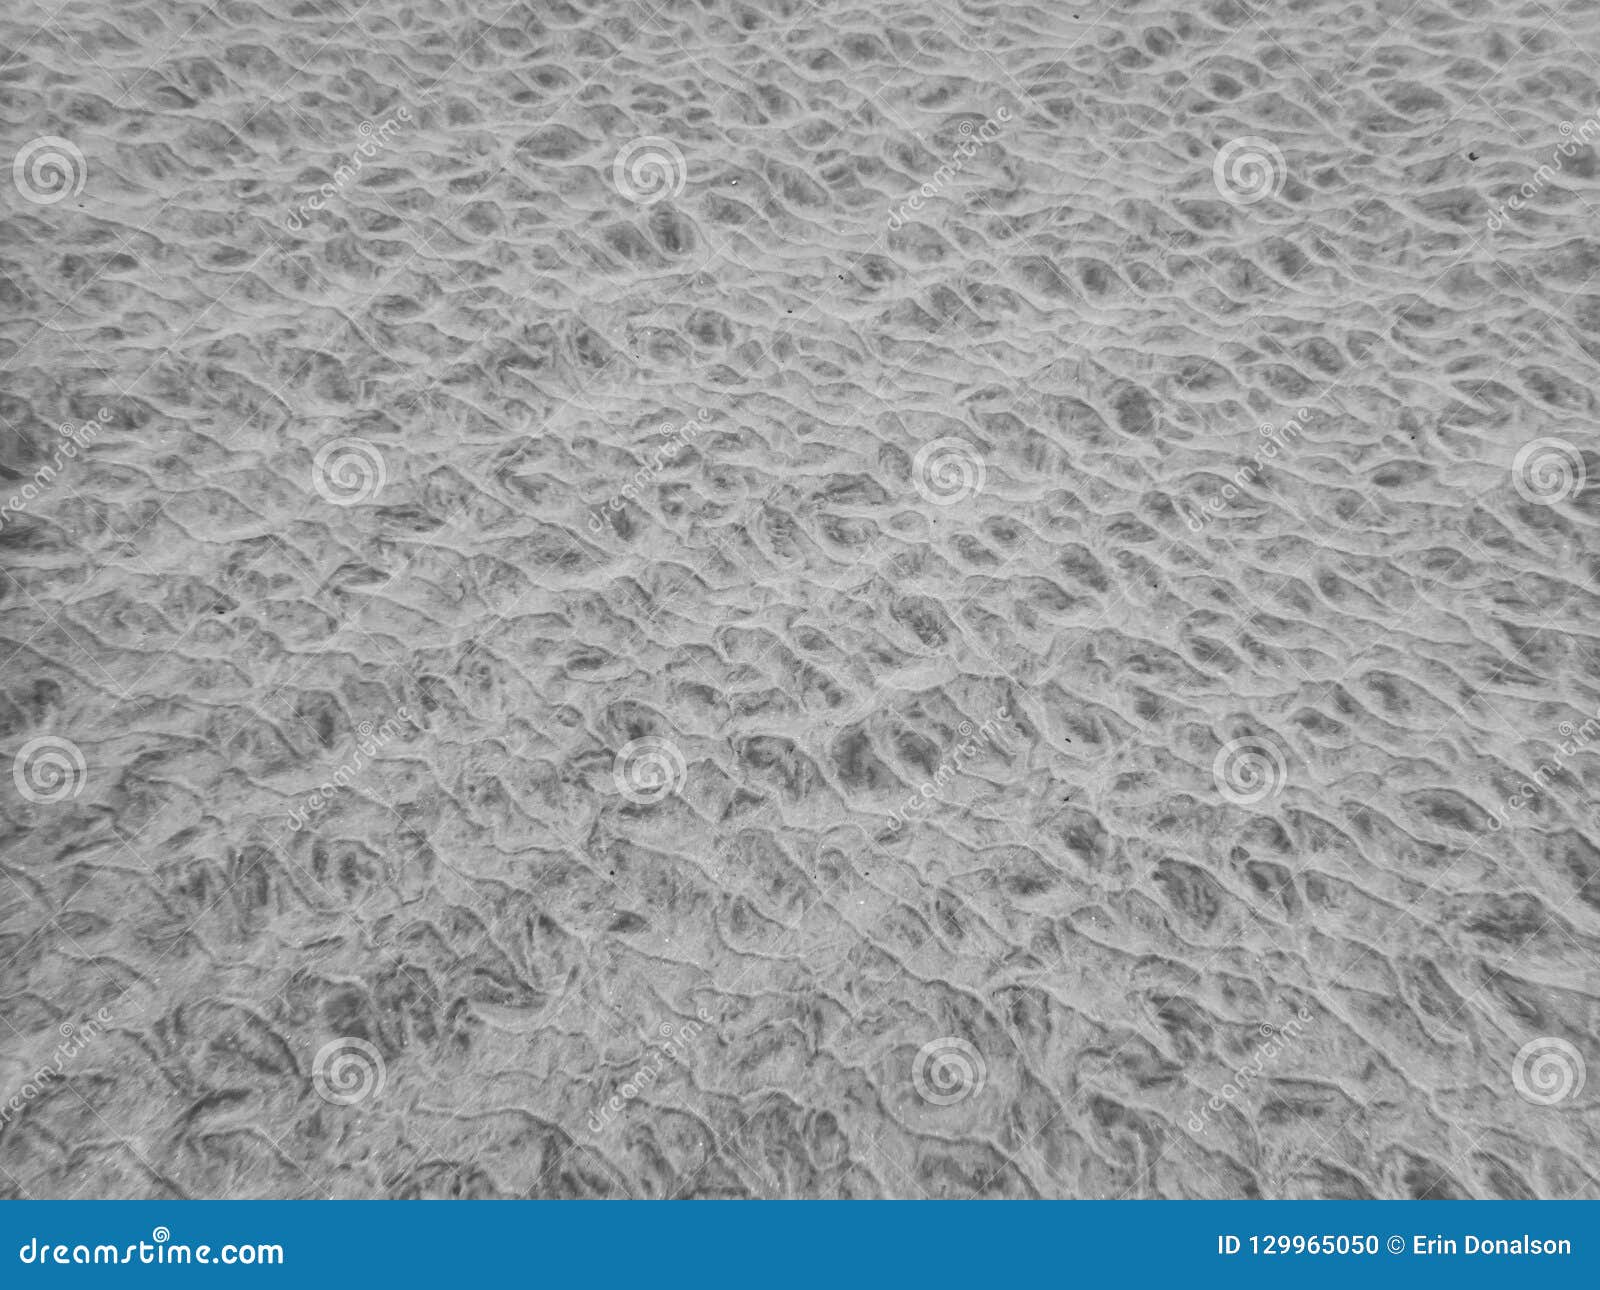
[(628, 543)]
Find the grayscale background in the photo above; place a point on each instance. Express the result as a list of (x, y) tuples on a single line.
[(799, 600)]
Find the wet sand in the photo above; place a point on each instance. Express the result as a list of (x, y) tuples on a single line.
[(802, 600)]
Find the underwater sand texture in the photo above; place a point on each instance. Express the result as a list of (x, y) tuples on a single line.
[(799, 600)]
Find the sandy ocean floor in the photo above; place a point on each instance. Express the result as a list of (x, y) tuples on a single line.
[(799, 599)]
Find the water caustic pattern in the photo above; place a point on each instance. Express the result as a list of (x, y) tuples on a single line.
[(800, 600)]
